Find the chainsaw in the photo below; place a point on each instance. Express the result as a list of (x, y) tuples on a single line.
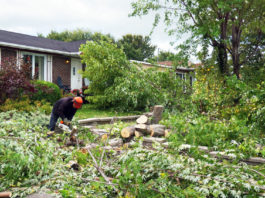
[(64, 127)]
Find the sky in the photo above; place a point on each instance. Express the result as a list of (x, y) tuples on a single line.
[(106, 16)]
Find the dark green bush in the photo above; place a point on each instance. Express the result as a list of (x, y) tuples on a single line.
[(45, 91)]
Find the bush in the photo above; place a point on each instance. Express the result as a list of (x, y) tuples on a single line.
[(14, 82), (22, 104), (26, 105), (46, 91)]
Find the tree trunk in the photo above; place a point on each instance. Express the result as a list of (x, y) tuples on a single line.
[(127, 131), (236, 33)]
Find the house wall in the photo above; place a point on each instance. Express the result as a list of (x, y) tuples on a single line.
[(62, 69), (8, 57)]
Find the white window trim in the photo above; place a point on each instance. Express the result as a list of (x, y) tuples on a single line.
[(33, 63)]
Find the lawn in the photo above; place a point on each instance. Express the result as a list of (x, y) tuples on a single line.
[(90, 111)]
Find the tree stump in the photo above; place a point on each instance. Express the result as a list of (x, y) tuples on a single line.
[(157, 114)]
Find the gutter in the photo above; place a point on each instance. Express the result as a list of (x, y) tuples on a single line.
[(74, 54)]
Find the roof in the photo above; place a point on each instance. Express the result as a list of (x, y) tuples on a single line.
[(163, 66), (23, 41)]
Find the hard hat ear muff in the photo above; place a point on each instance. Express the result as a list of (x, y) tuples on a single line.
[(77, 102)]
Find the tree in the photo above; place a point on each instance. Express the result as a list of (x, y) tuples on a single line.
[(76, 35), (222, 24), (136, 47), (165, 56)]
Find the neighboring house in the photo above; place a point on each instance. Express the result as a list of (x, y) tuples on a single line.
[(183, 72), (51, 60)]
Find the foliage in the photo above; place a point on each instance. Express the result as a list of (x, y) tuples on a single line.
[(145, 173), (164, 56), (14, 81), (231, 136), (45, 91), (122, 85), (24, 158), (224, 25), (30, 162), (76, 35), (25, 104), (136, 47)]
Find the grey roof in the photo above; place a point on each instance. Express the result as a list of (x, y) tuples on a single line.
[(38, 42)]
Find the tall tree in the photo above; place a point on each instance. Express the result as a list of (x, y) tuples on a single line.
[(137, 47), (224, 24)]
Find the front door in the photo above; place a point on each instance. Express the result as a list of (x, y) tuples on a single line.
[(76, 78)]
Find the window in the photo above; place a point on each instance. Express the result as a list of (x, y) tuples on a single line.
[(36, 63)]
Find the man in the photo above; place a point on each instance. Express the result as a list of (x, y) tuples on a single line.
[(65, 108)]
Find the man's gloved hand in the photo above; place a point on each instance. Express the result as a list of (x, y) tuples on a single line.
[(66, 122)]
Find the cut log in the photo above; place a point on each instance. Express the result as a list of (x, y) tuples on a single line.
[(128, 131), (157, 114), (145, 129), (5, 194), (99, 132), (115, 142), (110, 119), (153, 139), (157, 130), (138, 134), (143, 119)]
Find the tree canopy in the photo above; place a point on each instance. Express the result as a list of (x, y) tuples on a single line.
[(76, 35), (137, 47), (224, 25)]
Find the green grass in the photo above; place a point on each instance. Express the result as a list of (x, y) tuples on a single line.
[(90, 111)]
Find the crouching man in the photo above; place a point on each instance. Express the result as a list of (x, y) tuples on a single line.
[(65, 108)]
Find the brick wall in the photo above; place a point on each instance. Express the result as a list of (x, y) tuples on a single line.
[(8, 57), (62, 69)]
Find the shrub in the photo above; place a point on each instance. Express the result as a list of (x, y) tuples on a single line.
[(14, 82), (22, 104), (45, 91), (25, 104)]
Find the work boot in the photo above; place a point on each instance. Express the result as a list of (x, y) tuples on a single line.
[(50, 133)]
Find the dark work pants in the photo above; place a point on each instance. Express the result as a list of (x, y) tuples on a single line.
[(53, 121)]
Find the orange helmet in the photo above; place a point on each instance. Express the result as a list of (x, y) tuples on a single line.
[(78, 101)]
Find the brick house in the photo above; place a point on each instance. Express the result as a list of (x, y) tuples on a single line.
[(50, 60)]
